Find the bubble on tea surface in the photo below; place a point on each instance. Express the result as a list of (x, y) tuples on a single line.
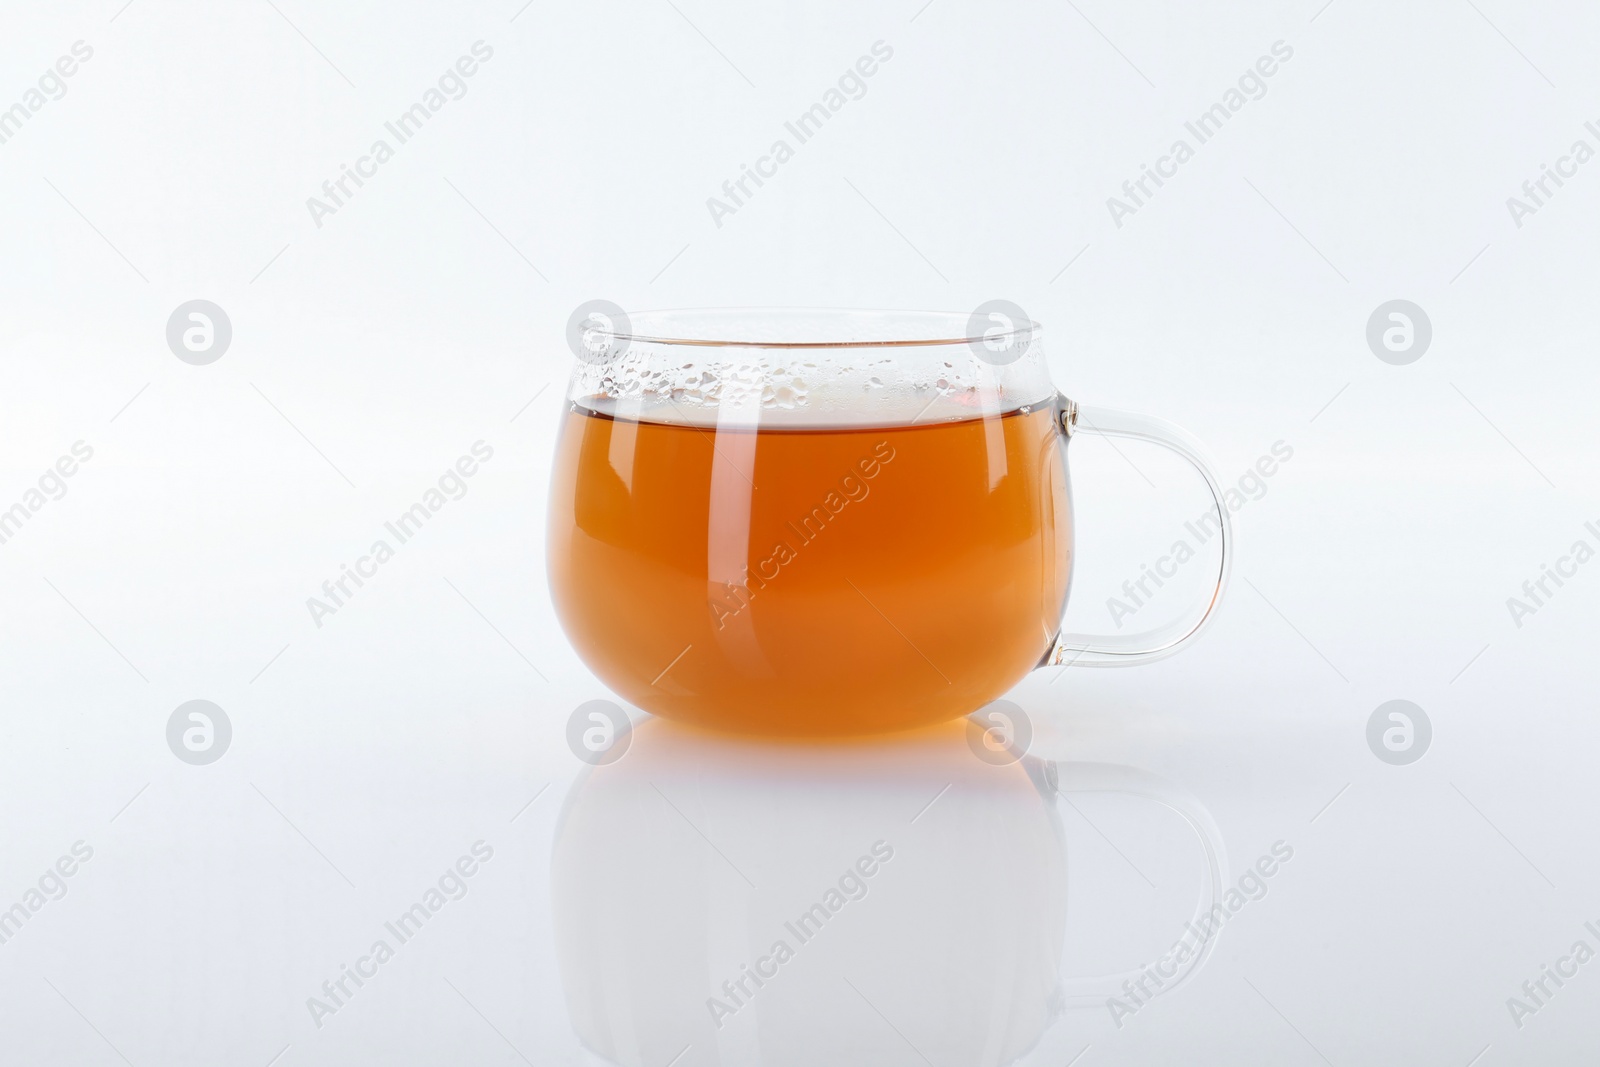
[(845, 371)]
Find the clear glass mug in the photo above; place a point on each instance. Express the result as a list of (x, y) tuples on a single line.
[(826, 522)]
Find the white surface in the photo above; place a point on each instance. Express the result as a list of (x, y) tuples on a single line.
[(372, 752)]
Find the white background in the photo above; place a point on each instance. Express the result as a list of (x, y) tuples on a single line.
[(372, 351)]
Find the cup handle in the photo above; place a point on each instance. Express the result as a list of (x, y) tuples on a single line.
[(1121, 650), (1200, 934)]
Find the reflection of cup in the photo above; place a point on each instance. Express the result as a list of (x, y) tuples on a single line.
[(814, 522), (740, 903)]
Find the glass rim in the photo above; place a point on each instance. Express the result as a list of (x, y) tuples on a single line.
[(958, 328)]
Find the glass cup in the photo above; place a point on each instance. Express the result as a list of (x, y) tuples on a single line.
[(826, 522)]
